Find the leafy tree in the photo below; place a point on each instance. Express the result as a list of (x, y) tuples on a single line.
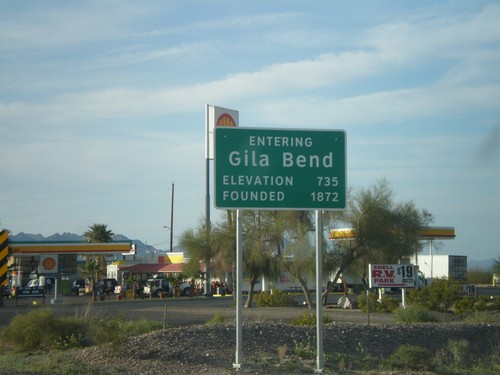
[(496, 266), (478, 276), (221, 248), (92, 270), (299, 261), (385, 231), (96, 264), (260, 242), (296, 229)]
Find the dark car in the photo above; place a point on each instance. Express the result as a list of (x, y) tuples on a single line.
[(6, 292), (78, 287), (107, 286)]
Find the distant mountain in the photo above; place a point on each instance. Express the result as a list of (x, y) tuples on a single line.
[(141, 247)]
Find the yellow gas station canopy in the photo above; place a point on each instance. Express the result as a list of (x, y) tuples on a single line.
[(82, 248), (427, 233)]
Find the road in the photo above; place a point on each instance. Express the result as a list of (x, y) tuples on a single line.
[(190, 310), (178, 311)]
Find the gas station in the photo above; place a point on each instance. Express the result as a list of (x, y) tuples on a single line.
[(55, 260)]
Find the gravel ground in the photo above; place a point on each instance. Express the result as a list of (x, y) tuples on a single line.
[(210, 349)]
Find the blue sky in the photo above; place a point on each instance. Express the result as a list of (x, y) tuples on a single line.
[(102, 105)]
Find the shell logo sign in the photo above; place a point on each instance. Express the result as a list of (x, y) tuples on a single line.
[(225, 120), (49, 263), (217, 117)]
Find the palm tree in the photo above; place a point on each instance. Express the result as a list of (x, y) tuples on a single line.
[(92, 270), (98, 233), (96, 264)]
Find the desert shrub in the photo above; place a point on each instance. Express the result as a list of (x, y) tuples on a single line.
[(493, 303), (308, 319), (478, 276), (470, 304), (410, 357), (41, 330), (305, 350), (115, 331), (217, 319), (274, 298), (482, 317), (385, 305), (439, 296), (414, 314), (459, 350)]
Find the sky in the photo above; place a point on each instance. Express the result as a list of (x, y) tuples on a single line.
[(102, 105)]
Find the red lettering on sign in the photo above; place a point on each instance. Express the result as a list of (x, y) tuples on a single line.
[(389, 273), (384, 280)]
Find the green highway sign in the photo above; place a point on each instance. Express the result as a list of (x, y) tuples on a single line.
[(262, 168)]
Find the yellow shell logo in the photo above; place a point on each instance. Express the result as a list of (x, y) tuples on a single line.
[(225, 120), (49, 263)]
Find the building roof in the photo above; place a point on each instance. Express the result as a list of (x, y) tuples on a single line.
[(153, 268)]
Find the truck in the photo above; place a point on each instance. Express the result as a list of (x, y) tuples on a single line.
[(439, 266), (155, 286)]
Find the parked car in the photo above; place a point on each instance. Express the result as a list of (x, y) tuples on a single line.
[(156, 286), (7, 292), (107, 286), (78, 287), (32, 283)]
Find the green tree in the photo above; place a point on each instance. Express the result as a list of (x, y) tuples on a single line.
[(385, 231), (220, 249), (296, 229), (261, 247), (98, 233), (496, 266), (479, 276), (96, 265)]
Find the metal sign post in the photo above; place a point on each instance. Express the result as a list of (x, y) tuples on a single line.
[(319, 306), (239, 295)]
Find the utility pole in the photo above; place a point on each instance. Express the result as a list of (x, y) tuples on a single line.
[(172, 219)]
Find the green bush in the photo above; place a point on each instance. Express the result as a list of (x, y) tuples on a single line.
[(41, 330), (414, 314), (439, 296), (217, 319), (305, 351), (410, 357), (385, 305), (460, 354), (308, 319), (274, 298), (116, 331)]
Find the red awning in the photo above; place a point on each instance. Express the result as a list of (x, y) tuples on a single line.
[(153, 268), (172, 268), (143, 268)]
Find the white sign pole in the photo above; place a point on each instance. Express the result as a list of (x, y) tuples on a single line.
[(208, 152), (319, 306), (239, 294)]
